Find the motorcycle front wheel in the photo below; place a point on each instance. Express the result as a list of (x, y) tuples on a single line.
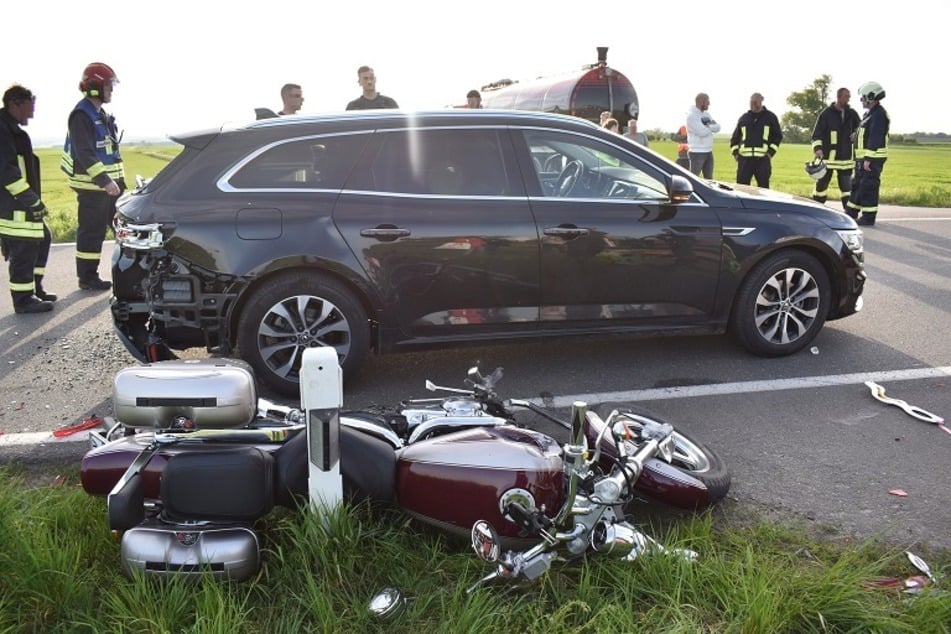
[(696, 477)]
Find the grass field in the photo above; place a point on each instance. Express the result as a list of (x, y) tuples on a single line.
[(915, 175), (59, 573)]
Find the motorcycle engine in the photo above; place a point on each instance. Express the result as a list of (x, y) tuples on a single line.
[(458, 408)]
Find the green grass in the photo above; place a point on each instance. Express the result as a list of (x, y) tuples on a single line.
[(61, 200), (59, 572), (915, 175)]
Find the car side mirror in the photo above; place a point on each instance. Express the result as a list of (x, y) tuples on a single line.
[(680, 190)]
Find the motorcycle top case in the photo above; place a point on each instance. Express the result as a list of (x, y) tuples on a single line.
[(210, 393)]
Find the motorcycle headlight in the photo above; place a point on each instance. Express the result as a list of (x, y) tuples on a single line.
[(854, 239)]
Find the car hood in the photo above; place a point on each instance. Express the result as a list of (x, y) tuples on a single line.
[(772, 201)]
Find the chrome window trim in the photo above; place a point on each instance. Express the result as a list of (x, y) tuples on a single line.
[(224, 186)]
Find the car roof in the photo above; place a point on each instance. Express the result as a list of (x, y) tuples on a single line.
[(387, 118), (427, 117)]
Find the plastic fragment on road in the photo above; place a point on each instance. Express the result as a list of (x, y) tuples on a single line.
[(878, 393), (88, 423), (898, 493)]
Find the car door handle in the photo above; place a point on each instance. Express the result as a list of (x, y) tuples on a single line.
[(566, 231), (385, 232)]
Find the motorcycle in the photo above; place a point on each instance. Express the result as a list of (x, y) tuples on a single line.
[(185, 497)]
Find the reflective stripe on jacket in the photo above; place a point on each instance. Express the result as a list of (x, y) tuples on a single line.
[(108, 160), (14, 224), (872, 140), (833, 135), (756, 135), (19, 181)]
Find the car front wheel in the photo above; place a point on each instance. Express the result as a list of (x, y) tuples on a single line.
[(294, 312), (781, 305)]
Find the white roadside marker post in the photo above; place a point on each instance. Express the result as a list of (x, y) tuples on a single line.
[(321, 391)]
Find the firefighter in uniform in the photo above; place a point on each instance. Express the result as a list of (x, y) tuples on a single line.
[(832, 143), (25, 236), (94, 170), (871, 152), (755, 141)]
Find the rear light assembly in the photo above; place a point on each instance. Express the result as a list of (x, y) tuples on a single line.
[(139, 237)]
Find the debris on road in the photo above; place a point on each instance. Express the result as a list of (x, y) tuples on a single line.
[(87, 423), (878, 393)]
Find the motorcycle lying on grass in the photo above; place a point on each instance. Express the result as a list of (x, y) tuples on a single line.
[(192, 459)]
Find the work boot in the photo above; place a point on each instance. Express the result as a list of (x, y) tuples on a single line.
[(43, 295), (32, 305), (867, 220), (94, 284), (851, 213)]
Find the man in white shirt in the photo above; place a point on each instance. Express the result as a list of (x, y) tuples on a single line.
[(700, 130)]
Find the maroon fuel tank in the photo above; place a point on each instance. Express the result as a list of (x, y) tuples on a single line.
[(453, 481)]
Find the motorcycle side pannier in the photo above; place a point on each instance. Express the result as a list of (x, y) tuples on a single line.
[(186, 394)]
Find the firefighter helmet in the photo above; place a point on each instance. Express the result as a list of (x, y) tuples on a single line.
[(816, 168), (95, 77), (871, 91)]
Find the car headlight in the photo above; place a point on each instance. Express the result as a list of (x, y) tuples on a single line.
[(853, 239)]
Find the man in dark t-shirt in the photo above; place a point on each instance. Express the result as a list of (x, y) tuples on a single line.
[(370, 99)]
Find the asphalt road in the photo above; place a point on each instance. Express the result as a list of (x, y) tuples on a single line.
[(802, 435)]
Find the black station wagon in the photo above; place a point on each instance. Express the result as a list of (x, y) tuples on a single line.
[(389, 230)]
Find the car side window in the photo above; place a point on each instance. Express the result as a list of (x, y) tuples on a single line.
[(441, 162), (314, 163), (576, 166)]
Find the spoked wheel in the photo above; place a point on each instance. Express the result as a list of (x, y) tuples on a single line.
[(781, 305), (691, 458), (295, 312)]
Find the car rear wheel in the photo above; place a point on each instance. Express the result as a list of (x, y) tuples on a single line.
[(781, 305), (296, 311)]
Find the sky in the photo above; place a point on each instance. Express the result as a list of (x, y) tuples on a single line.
[(187, 66)]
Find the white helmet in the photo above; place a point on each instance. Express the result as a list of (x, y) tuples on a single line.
[(816, 168), (871, 91)]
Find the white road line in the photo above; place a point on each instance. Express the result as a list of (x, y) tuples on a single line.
[(38, 438), (743, 387), (929, 219), (635, 396)]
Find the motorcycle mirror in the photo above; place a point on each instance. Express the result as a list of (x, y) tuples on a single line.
[(387, 604), (495, 377), (474, 375), (485, 542), (920, 564)]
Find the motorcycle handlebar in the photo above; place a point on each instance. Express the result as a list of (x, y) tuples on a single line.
[(538, 410)]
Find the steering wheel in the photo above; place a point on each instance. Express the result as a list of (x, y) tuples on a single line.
[(553, 162), (568, 178)]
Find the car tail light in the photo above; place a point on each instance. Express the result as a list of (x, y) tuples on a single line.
[(139, 237)]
